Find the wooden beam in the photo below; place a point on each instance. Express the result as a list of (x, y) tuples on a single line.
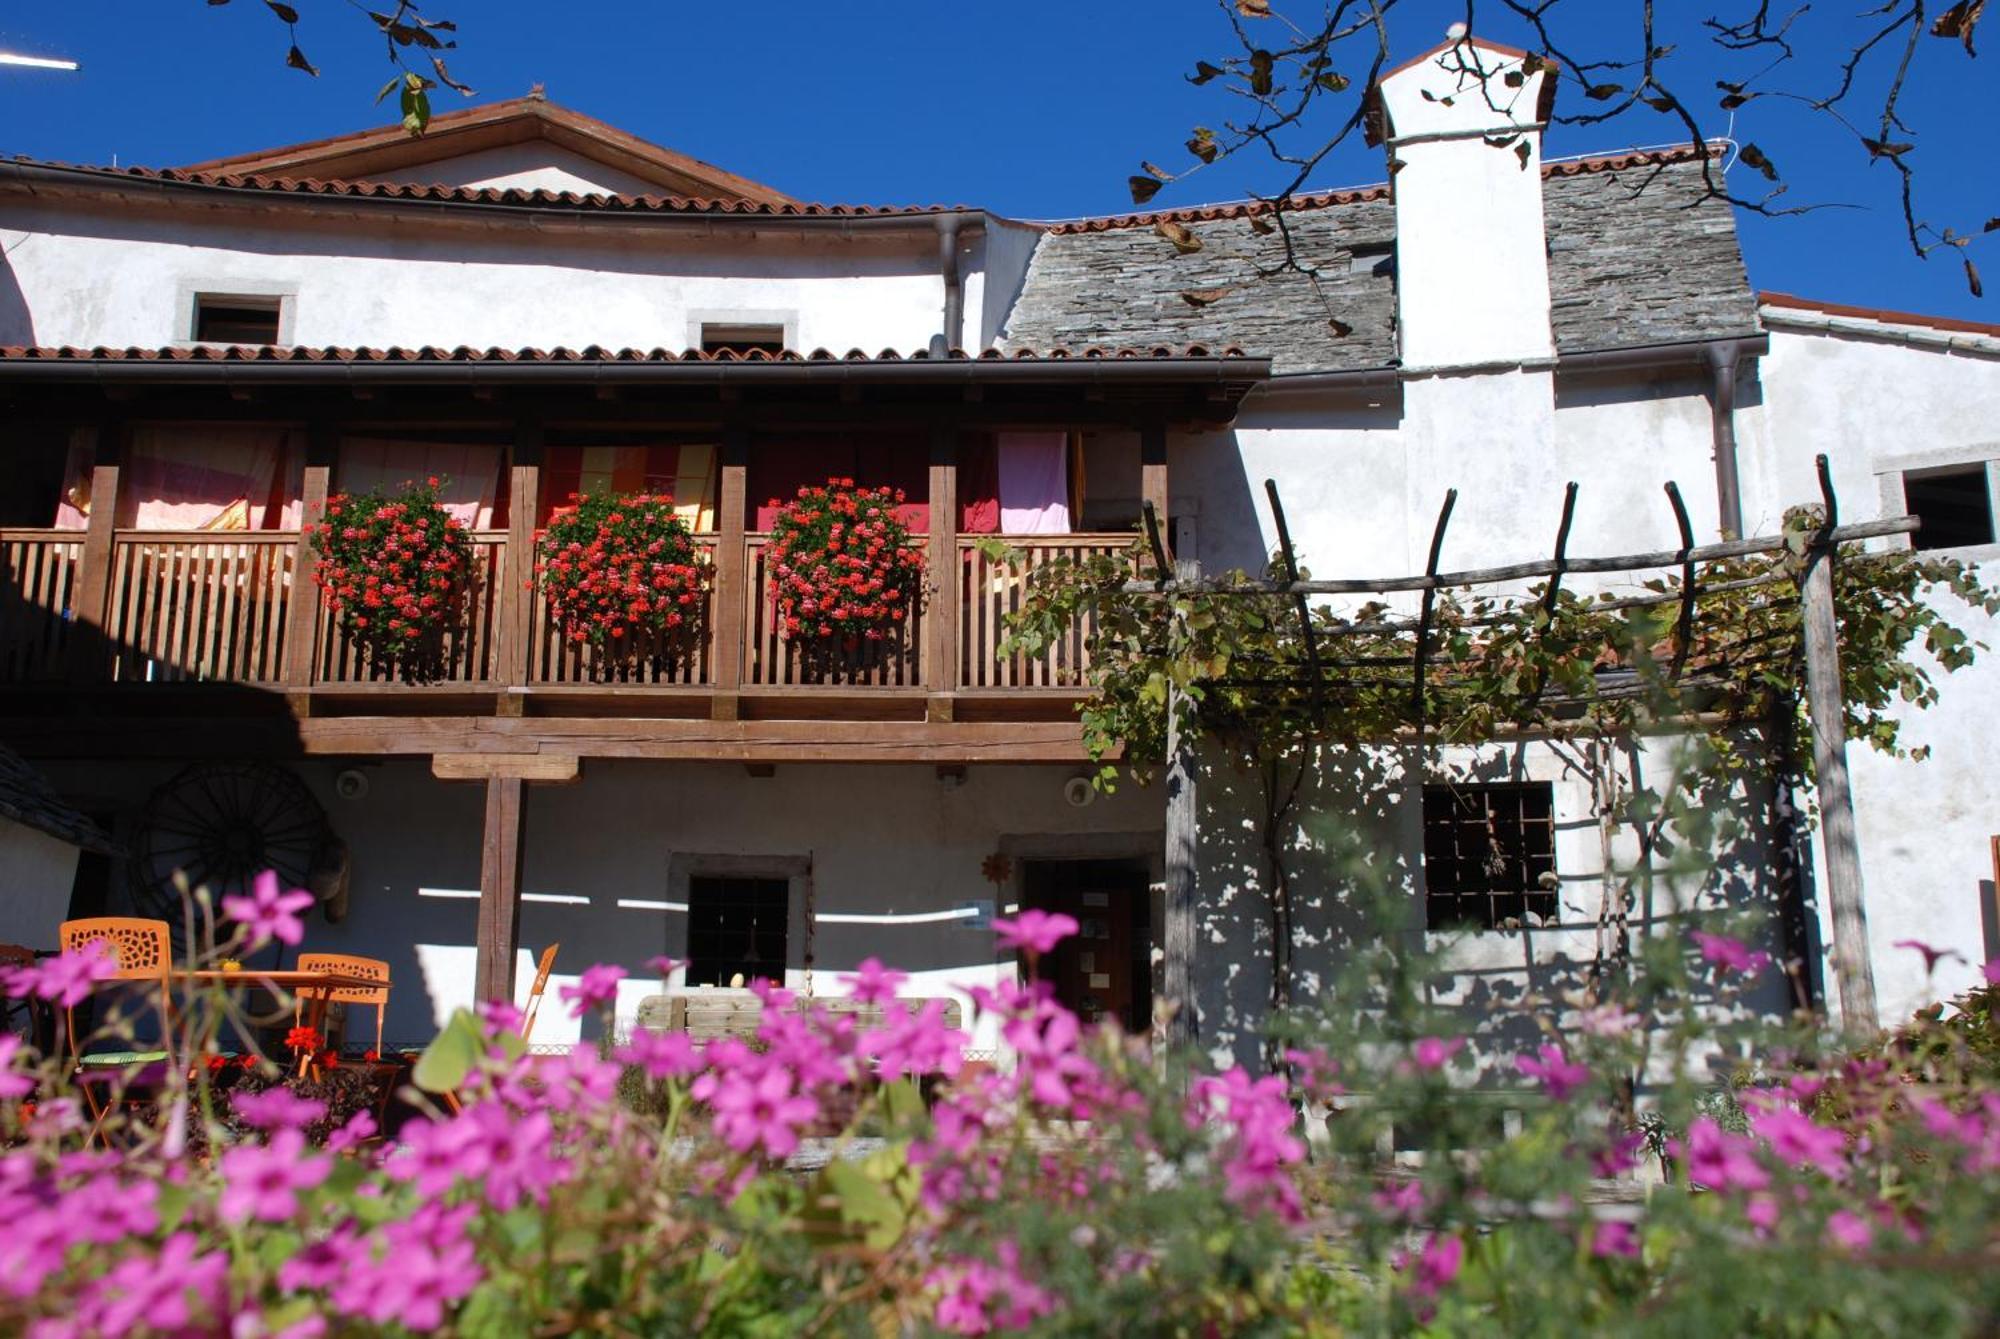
[(1852, 967), (1153, 486), (302, 615), (521, 766), (1180, 917), (90, 650), (499, 889), (515, 600), (727, 606), (946, 581)]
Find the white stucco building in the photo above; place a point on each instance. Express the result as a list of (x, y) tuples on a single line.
[(530, 302)]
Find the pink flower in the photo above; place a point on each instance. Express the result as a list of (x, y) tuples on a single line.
[(915, 1043), (1434, 1053), (978, 1297), (1848, 1230), (1558, 1075), (67, 979), (1732, 955), (263, 1180), (663, 965), (1437, 1265), (1798, 1142), (1932, 956), (13, 1083), (1620, 1157), (276, 1108), (872, 983), (501, 1016), (154, 1292), (269, 913), (1761, 1212), (1720, 1160), (1034, 931), (597, 986), (360, 1128), (663, 1055), (1400, 1199), (760, 1109), (1992, 971), (1607, 1020), (1615, 1239)]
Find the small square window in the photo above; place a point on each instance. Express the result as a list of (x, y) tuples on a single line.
[(742, 338), (737, 927), (1376, 258), (1489, 856), (226, 318), (1955, 506)]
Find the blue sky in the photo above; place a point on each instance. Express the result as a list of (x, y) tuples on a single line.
[(1032, 111)]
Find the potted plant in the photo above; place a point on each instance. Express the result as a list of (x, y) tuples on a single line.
[(846, 574), (622, 574), (396, 569)]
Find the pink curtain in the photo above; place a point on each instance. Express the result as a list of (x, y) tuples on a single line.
[(195, 478), (468, 475), (1034, 483)]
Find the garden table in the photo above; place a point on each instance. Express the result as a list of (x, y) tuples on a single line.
[(314, 989)]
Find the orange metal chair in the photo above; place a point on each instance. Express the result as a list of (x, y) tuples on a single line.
[(141, 950), (536, 991), (372, 969)]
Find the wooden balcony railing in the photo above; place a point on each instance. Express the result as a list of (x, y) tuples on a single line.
[(189, 606)]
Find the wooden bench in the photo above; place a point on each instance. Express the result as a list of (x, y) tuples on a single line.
[(713, 1013)]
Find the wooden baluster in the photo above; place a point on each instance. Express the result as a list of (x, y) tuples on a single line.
[(728, 600), (939, 635), (90, 648), (304, 612), (513, 602)]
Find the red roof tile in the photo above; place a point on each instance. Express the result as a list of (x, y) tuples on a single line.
[(299, 353), (1887, 317)]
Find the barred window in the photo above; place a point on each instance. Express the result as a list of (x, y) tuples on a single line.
[(1489, 855), (736, 926)]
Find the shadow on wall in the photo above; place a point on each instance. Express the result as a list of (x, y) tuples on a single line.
[(1355, 856), (17, 323)]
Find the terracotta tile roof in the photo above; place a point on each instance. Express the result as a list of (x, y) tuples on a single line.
[(1883, 315), (271, 353), (1243, 209), (335, 187)]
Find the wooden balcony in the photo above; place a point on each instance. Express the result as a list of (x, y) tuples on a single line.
[(185, 608)]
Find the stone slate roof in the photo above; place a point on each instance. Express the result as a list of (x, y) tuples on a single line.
[(28, 799), (1626, 268)]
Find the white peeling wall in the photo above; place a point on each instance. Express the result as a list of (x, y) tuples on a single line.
[(1925, 828), (128, 279), (1362, 845), (894, 846)]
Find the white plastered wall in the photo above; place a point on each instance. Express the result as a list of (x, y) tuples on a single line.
[(37, 872), (1925, 828)]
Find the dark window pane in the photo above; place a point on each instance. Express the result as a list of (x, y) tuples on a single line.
[(222, 322), (737, 927), (1488, 851), (1954, 506)]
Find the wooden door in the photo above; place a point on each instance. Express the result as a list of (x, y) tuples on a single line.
[(1104, 971)]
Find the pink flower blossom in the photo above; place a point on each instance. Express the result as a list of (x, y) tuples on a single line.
[(1437, 1265), (1434, 1053), (1614, 1240), (1731, 955), (67, 979), (1761, 1212), (1621, 1156), (1607, 1020), (1848, 1230), (360, 1128), (978, 1297), (759, 1109), (1034, 931), (263, 1180), (501, 1016), (276, 1108), (1798, 1141), (164, 1293), (1558, 1075), (915, 1043), (664, 966), (872, 983), (597, 987), (13, 1083), (1992, 972), (663, 1055), (1932, 956), (1720, 1160), (1402, 1200), (269, 913)]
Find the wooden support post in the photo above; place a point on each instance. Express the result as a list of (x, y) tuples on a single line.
[(728, 602), (514, 605), (499, 889), (1851, 966), (1180, 914), (90, 650), (1153, 471), (940, 622), (302, 610)]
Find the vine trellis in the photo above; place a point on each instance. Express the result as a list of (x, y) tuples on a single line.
[(1717, 642)]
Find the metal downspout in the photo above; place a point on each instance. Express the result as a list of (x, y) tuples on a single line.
[(1723, 359), (952, 335)]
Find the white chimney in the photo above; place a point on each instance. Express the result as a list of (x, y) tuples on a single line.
[(1462, 125)]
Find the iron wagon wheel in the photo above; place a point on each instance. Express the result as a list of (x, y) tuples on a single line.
[(221, 825)]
